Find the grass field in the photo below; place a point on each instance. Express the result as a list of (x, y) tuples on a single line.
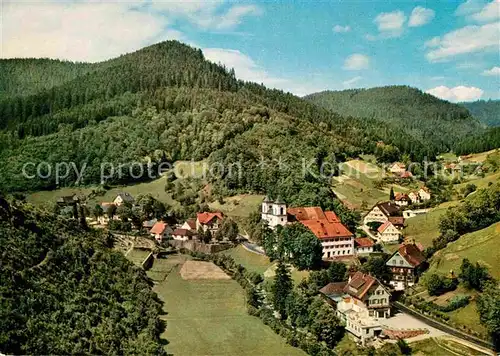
[(193, 169), (424, 228), (260, 264), (239, 206), (208, 317), (469, 317), (442, 346), (162, 267), (480, 182), (137, 256), (479, 246), (156, 188)]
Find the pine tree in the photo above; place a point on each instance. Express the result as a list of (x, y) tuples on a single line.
[(281, 288), (392, 195)]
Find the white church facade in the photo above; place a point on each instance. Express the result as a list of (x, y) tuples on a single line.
[(274, 212)]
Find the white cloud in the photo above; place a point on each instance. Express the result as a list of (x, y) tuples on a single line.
[(459, 93), (490, 12), (356, 61), (469, 7), (391, 23), (341, 29), (495, 71), (420, 16), (349, 83), (78, 31), (469, 39), (207, 14), (247, 69)]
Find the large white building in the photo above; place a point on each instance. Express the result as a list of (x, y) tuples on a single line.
[(336, 239), (274, 212)]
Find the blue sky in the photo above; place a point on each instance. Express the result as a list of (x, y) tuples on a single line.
[(448, 48)]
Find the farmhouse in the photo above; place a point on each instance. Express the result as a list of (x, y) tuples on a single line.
[(381, 212), (402, 199), (274, 212), (122, 198), (209, 221), (189, 224), (404, 264), (333, 292), (336, 239), (365, 300), (160, 231), (182, 234), (388, 233), (414, 197), (397, 168), (363, 245), (424, 193)]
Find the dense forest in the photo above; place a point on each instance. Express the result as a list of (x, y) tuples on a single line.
[(427, 119), (64, 291), (166, 102), (487, 111)]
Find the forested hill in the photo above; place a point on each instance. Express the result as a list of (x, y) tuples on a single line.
[(64, 291), (166, 102), (425, 117), (488, 112)]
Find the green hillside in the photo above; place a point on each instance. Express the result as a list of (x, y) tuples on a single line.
[(426, 118), (166, 103), (487, 111), (64, 291), (480, 246)]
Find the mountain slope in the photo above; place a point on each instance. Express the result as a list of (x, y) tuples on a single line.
[(64, 291), (426, 118), (165, 103), (488, 112)]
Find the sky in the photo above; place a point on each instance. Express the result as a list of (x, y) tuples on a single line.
[(448, 48)]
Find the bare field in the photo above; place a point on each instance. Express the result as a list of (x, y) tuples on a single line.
[(202, 270)]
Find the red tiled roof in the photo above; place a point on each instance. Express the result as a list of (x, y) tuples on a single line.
[(331, 216), (324, 229), (182, 232), (384, 226), (364, 242), (158, 228), (401, 196), (206, 217), (361, 283), (406, 174), (399, 165), (412, 254), (308, 213)]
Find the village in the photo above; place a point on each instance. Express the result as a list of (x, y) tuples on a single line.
[(367, 306)]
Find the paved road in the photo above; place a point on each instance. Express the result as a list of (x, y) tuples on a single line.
[(445, 328), (253, 248)]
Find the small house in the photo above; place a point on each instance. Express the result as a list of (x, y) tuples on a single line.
[(388, 233), (404, 264), (397, 168), (123, 198), (160, 231), (363, 245), (182, 234), (209, 221)]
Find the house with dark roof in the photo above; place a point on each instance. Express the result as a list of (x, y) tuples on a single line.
[(122, 198), (333, 292), (381, 212), (364, 302), (189, 224), (182, 234), (406, 264)]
